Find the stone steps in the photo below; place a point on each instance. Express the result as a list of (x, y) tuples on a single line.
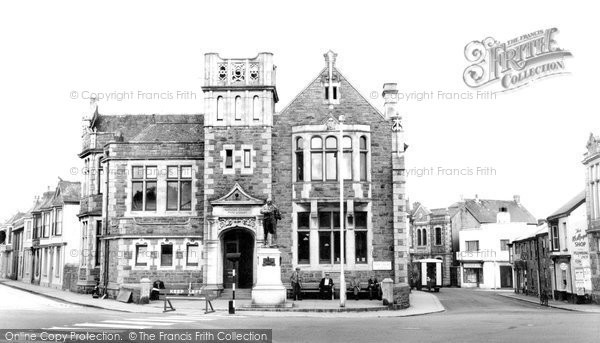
[(240, 293)]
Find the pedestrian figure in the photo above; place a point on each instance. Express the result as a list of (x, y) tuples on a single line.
[(373, 287), (296, 281), (326, 287), (355, 286)]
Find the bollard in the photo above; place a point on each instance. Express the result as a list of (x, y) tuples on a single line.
[(145, 288), (231, 306)]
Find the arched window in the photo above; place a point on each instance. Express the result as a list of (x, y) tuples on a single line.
[(256, 108), (220, 108), (347, 163), (363, 158), (419, 239), (299, 159), (316, 158), (438, 236), (238, 108), (424, 236), (331, 158)]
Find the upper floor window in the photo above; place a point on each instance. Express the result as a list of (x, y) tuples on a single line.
[(299, 159), (58, 218), (179, 188), (555, 238), (238, 108), (316, 158), (220, 108), (46, 228), (419, 237), (347, 162), (334, 92), (229, 158), (256, 108), (331, 158), (438, 236), (143, 188), (363, 158), (504, 244), (472, 245)]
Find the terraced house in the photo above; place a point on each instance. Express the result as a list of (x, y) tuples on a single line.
[(178, 197)]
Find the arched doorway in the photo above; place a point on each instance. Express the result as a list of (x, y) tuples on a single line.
[(238, 254)]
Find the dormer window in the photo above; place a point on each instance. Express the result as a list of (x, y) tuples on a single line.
[(503, 209)]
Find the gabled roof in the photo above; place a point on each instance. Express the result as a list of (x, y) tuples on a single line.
[(486, 211), (68, 192), (353, 105), (568, 207)]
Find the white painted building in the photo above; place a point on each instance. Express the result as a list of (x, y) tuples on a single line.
[(569, 249), (486, 228), (59, 236)]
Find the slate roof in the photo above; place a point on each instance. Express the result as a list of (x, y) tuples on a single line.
[(67, 192), (486, 211), (540, 229), (130, 126), (568, 207), (170, 132)]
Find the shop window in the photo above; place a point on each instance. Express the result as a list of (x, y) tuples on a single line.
[(504, 244)]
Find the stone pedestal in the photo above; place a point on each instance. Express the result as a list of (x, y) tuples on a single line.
[(387, 290), (269, 290)]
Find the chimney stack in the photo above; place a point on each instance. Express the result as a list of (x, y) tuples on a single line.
[(390, 98), (517, 199)]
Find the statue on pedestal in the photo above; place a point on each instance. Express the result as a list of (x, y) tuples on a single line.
[(271, 216)]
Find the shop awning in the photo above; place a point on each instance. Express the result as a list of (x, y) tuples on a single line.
[(472, 265)]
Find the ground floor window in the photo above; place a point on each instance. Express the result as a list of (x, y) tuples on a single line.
[(166, 255), (472, 275), (58, 258), (193, 251), (303, 237), (141, 255), (360, 237), (329, 238)]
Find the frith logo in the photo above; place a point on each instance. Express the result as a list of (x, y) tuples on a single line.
[(515, 63)]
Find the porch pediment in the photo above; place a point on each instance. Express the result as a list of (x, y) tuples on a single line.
[(237, 196)]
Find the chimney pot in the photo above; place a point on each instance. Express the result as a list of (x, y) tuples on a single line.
[(517, 199)]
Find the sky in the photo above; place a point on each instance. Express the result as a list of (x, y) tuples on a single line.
[(529, 141)]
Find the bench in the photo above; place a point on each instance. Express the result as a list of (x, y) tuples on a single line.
[(312, 290), (170, 294)]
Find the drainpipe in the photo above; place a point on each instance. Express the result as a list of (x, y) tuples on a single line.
[(105, 228)]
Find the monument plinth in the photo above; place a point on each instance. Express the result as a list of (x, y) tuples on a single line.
[(269, 290)]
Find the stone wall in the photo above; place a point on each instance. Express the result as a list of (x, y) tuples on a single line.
[(309, 108)]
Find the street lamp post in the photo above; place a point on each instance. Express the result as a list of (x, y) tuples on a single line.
[(341, 176)]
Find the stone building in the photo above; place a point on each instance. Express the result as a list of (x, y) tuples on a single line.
[(182, 194), (431, 237), (591, 162), (529, 255)]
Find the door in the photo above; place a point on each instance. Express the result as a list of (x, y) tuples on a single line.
[(238, 255), (506, 277)]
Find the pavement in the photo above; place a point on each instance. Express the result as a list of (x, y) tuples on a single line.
[(590, 308), (421, 303)]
